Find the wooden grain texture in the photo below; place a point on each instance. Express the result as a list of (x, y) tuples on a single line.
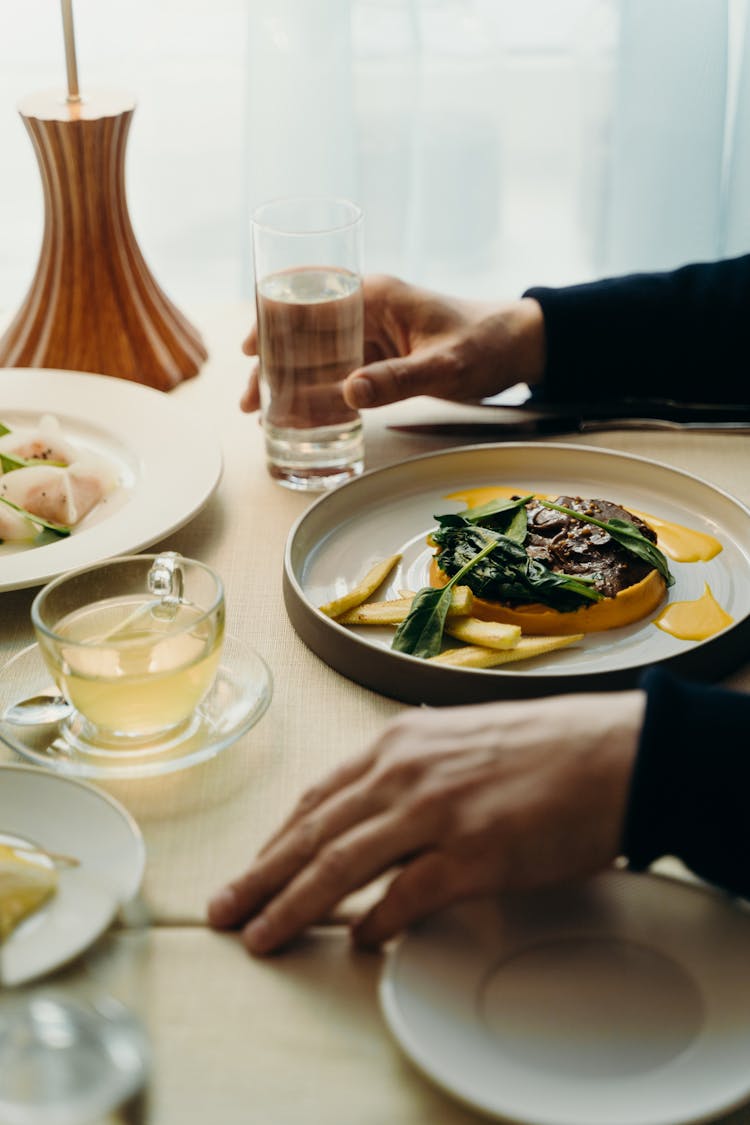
[(93, 304)]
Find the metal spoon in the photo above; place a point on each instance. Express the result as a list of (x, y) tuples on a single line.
[(47, 708)]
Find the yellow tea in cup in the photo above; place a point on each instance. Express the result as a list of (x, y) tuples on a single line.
[(133, 644)]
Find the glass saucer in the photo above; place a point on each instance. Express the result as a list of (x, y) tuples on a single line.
[(239, 697)]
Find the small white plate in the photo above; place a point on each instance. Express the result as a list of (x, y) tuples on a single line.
[(74, 819), (167, 462), (237, 700), (624, 1000)]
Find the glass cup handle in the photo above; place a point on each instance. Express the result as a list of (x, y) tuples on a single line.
[(166, 580)]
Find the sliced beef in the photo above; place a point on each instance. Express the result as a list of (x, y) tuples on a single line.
[(568, 546)]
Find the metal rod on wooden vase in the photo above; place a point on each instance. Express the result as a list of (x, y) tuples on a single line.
[(70, 51)]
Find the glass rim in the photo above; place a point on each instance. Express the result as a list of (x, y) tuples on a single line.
[(355, 219), (50, 587)]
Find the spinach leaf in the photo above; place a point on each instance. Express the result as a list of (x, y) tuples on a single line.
[(485, 513), (510, 574), (518, 527), (421, 631), (627, 535)]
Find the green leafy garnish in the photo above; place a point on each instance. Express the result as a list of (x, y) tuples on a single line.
[(627, 535), (510, 574), (421, 631), (486, 513), (3, 430), (60, 529), (10, 462)]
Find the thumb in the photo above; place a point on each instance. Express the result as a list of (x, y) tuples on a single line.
[(433, 372)]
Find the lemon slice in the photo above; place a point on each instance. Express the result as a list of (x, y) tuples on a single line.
[(27, 880)]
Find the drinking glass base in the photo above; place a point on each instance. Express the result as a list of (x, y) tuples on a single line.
[(314, 480), (64, 1060), (317, 459)]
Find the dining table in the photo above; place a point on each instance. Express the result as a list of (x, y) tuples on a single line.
[(298, 1036)]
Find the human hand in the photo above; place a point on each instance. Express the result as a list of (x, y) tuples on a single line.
[(421, 343), (465, 800)]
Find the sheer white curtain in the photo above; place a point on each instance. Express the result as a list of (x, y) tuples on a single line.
[(492, 144)]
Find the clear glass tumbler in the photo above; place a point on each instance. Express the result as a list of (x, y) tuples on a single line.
[(308, 291)]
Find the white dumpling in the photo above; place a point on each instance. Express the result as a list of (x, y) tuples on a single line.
[(44, 442), (62, 495), (14, 526)]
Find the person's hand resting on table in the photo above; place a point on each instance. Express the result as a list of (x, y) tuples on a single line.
[(464, 801), (420, 342)]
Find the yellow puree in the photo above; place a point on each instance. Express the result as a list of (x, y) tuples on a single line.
[(696, 620), (690, 620)]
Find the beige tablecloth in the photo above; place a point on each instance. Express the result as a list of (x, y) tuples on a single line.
[(297, 1039)]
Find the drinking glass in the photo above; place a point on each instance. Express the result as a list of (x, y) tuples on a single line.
[(67, 1059), (308, 291), (134, 645)]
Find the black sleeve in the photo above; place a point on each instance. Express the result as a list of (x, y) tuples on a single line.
[(691, 783), (682, 335)]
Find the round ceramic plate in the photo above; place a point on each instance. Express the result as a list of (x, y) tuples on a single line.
[(622, 1001), (72, 819), (239, 697), (151, 440), (392, 510)]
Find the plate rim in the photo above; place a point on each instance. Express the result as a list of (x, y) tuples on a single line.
[(212, 466), (436, 685), (392, 1014)]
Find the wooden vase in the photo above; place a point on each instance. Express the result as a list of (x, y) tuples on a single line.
[(93, 304)]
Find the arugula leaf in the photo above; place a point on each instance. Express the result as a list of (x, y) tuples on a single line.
[(3, 430), (627, 535), (421, 631), (60, 529)]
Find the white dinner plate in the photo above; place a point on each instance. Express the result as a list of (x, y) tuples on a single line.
[(68, 818), (167, 463), (391, 511), (624, 1000)]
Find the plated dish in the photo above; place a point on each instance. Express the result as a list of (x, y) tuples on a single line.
[(624, 1000), (68, 818), (147, 437), (391, 511)]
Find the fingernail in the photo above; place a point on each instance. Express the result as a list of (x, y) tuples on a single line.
[(222, 906), (257, 936), (363, 391)]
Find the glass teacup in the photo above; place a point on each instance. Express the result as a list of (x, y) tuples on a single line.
[(134, 645)]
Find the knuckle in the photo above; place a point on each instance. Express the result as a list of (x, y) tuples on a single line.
[(333, 865), (306, 840)]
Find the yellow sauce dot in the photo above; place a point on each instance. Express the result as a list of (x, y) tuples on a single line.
[(696, 620)]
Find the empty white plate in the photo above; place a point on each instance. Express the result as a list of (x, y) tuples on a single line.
[(624, 1000)]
